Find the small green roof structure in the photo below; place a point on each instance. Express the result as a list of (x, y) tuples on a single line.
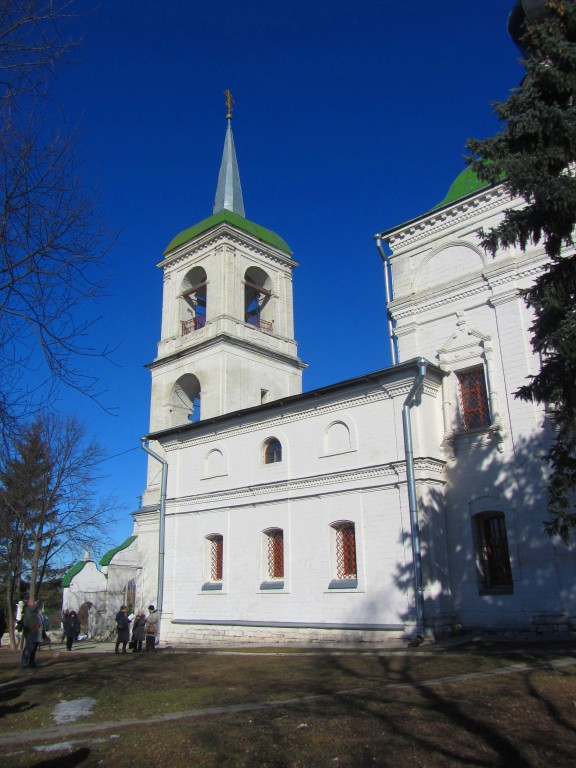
[(110, 554), (74, 571), (224, 215)]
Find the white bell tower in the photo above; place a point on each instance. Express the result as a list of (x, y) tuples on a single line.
[(227, 340)]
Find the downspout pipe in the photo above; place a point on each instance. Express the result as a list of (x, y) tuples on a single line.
[(388, 288), (161, 537), (412, 501)]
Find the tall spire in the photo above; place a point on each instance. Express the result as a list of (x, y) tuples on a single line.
[(229, 191)]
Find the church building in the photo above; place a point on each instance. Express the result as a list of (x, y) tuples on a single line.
[(405, 502)]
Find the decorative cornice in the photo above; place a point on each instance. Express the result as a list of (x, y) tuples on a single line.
[(433, 223), (389, 474), (408, 307), (226, 338), (284, 417)]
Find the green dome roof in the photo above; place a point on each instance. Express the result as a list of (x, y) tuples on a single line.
[(266, 235), (464, 184)]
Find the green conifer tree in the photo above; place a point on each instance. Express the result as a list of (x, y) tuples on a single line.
[(534, 155)]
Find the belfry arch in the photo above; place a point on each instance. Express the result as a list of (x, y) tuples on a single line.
[(258, 310), (193, 301), (185, 398)]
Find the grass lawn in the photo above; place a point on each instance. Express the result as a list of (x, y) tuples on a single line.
[(428, 707)]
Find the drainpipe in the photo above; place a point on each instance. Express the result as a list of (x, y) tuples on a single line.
[(412, 502), (388, 288), (161, 537)]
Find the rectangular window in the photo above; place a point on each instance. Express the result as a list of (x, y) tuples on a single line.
[(275, 554), (473, 398), (346, 551), (492, 551), (216, 558)]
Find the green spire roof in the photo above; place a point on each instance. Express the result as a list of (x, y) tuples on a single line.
[(110, 554), (266, 235)]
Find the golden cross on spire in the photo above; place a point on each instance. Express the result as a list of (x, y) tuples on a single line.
[(229, 103)]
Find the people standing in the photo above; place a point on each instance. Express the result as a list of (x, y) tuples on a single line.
[(63, 624), (32, 630), (152, 628), (138, 631), (122, 628), (71, 628), (2, 624)]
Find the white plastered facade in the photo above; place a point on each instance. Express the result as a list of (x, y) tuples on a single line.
[(343, 455)]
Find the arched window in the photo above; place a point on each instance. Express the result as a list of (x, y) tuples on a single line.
[(492, 554), (257, 296), (185, 400), (272, 451), (193, 301)]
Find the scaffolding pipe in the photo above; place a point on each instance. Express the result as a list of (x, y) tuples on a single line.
[(161, 536), (412, 501)]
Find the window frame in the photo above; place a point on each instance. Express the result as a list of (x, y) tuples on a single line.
[(213, 561), (473, 398), (272, 447), (343, 555), (492, 553), (273, 558)]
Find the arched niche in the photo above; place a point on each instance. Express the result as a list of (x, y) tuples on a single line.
[(215, 464), (443, 264)]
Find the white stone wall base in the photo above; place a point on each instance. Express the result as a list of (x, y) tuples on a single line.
[(205, 634)]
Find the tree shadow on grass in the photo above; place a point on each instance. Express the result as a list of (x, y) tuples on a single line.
[(77, 757), (399, 718)]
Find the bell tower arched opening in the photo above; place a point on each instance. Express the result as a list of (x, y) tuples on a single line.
[(193, 301), (257, 299), (185, 400)]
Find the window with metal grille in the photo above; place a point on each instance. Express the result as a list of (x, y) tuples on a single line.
[(216, 557), (275, 553), (492, 551), (345, 550), (272, 451), (473, 398)]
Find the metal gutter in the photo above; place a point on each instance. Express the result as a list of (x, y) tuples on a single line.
[(412, 500), (162, 535), (389, 296)]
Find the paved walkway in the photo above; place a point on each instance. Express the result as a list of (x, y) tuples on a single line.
[(81, 730)]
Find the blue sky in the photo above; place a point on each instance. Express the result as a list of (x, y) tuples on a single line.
[(349, 118)]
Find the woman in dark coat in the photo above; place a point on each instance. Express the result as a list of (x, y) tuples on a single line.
[(71, 628), (138, 631), (123, 629)]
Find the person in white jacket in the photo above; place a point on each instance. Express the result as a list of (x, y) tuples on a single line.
[(152, 625)]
